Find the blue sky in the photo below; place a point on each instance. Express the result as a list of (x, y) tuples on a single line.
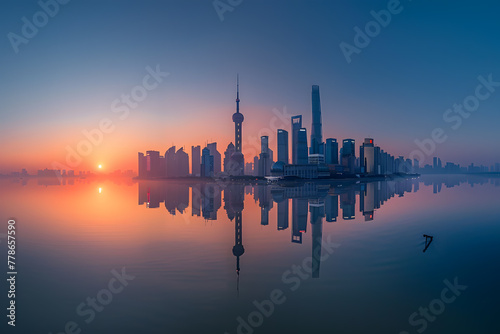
[(395, 90)]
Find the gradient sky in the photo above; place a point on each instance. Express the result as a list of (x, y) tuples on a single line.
[(395, 90)]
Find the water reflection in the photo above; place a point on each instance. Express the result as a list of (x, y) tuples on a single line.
[(320, 202), (195, 270)]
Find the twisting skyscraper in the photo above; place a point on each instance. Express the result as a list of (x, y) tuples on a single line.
[(237, 158)]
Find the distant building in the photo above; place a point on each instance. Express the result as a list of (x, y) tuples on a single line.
[(264, 161), (331, 152), (302, 156), (153, 165), (170, 163), (302, 171), (348, 155), (296, 126), (142, 167), (44, 173), (283, 146), (416, 166), (249, 168), (255, 166), (271, 159), (196, 160), (217, 157), (367, 157), (227, 157), (308, 171), (316, 159), (408, 166), (207, 163), (436, 163), (182, 163)]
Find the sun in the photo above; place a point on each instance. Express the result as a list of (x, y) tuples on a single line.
[(100, 166)]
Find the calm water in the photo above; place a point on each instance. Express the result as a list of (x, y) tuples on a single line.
[(203, 258)]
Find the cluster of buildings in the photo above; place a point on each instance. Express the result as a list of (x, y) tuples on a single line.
[(324, 159), (204, 163), (451, 168), (52, 173), (317, 159)]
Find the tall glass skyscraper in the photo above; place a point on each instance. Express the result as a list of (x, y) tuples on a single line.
[(331, 151), (348, 155), (283, 146), (302, 158)]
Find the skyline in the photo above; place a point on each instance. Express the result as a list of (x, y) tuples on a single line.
[(395, 90), (235, 167)]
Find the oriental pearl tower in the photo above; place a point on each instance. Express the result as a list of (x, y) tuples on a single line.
[(236, 197), (237, 158)]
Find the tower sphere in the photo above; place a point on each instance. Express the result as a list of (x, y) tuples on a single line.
[(238, 250), (238, 118)]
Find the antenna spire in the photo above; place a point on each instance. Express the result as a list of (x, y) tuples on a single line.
[(238, 93)]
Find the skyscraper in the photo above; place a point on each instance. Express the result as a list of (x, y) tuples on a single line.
[(153, 164), (264, 156), (271, 159), (348, 155), (237, 163), (416, 166), (217, 157), (142, 165), (228, 163), (207, 163), (332, 151), (255, 166), (170, 164), (302, 158), (367, 156), (283, 146), (317, 145), (196, 160), (182, 163), (296, 126)]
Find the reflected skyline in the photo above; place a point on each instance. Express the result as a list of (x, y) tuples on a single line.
[(311, 202), (316, 200), (200, 249)]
